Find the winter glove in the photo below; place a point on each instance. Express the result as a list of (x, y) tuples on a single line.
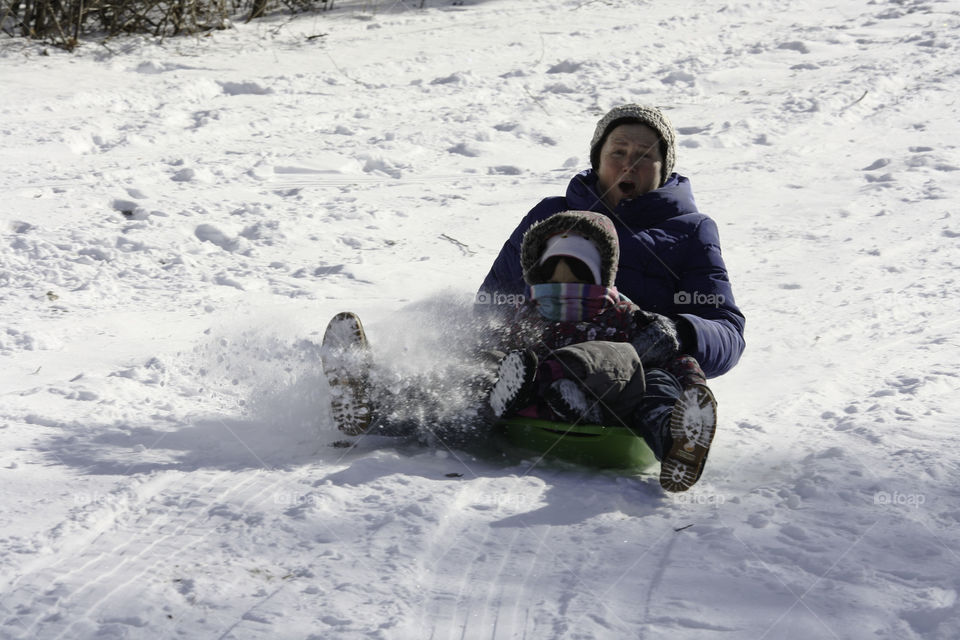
[(655, 339)]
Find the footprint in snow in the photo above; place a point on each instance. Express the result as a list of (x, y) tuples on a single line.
[(334, 621), (505, 170), (559, 87), (567, 66), (877, 164), (794, 45), (128, 208), (464, 149), (679, 77), (244, 88), (455, 78), (210, 233), (193, 175)]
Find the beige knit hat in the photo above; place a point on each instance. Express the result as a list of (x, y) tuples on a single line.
[(595, 227), (638, 114)]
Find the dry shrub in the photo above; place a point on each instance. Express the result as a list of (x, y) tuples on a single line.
[(64, 22)]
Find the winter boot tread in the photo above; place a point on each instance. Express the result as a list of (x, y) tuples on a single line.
[(693, 423)]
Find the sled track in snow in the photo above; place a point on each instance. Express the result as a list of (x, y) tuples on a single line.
[(123, 555)]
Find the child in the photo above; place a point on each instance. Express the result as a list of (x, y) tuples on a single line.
[(585, 353)]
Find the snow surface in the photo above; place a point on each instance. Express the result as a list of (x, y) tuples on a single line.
[(180, 219)]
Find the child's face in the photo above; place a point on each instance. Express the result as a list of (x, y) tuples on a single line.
[(563, 273)]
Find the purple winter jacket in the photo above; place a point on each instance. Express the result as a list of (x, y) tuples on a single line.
[(670, 264)]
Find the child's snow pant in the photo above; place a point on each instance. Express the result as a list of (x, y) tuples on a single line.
[(611, 373)]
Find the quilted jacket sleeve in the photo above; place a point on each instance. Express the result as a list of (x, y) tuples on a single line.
[(705, 301)]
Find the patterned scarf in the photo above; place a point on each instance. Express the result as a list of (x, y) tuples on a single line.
[(572, 302)]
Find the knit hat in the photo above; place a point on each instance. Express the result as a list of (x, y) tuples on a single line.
[(572, 245), (638, 114), (595, 227)]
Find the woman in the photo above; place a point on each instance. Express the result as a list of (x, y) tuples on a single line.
[(670, 265)]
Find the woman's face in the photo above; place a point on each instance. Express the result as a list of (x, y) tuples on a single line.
[(630, 163)]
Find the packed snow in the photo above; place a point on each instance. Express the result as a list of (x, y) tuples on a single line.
[(181, 218)]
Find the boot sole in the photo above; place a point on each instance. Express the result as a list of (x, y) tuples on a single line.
[(567, 411), (513, 378), (346, 364), (693, 424)]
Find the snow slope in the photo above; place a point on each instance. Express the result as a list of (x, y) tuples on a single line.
[(181, 218)]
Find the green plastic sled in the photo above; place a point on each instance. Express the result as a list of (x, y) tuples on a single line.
[(591, 445)]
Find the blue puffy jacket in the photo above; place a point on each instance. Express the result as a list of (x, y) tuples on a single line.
[(670, 263)]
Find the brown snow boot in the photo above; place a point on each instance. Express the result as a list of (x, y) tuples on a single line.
[(346, 363), (693, 423)]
